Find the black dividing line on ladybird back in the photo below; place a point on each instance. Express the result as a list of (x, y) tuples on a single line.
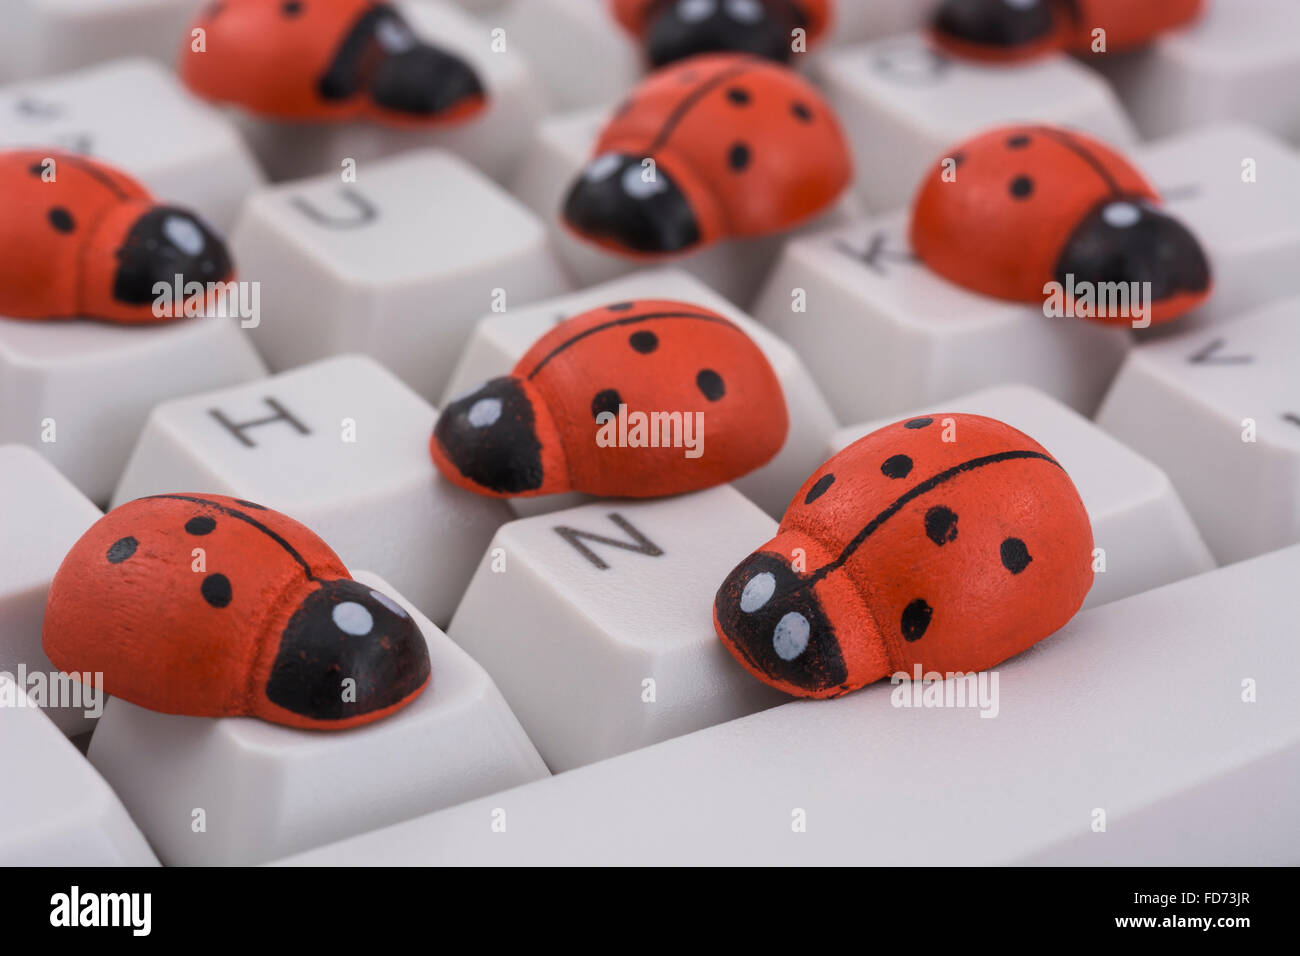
[(293, 552), (627, 320), (91, 170), (694, 96), (1070, 143), (915, 492)]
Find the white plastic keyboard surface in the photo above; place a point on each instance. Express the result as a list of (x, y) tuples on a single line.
[(237, 790), (1165, 717)]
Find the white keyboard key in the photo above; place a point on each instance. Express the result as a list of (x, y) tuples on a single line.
[(1171, 711), (1147, 537), (261, 790), (882, 333), (136, 116), (563, 146), (48, 36), (550, 32), (398, 265), (595, 622), (500, 340), (1249, 229), (1240, 62), (858, 22), (903, 103), (55, 810), (1217, 408), (79, 391), (343, 447), (493, 140), (43, 518)]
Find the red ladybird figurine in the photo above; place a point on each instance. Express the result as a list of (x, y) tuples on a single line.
[(675, 29), (78, 238), (326, 60), (1008, 30), (952, 542), (1019, 207), (712, 147), (215, 607), (636, 399)]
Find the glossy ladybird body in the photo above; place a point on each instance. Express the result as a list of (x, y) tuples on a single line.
[(675, 29), (716, 146), (1019, 207), (951, 542), (1011, 30), (213, 606), (320, 61), (636, 399), (79, 238)]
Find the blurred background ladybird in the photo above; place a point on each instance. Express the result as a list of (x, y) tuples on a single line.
[(316, 60), (79, 238), (715, 146), (1009, 30), (1018, 207), (675, 29), (269, 624), (535, 432), (952, 542)]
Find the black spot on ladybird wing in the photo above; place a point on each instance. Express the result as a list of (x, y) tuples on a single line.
[(606, 400), (121, 549), (915, 620), (216, 590), (941, 525), (819, 489), (200, 524), (1015, 555), (896, 466)]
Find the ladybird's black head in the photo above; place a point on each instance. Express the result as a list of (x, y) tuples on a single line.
[(770, 618), (1129, 240), (383, 57), (681, 28), (343, 630), (625, 202), (165, 243), (490, 437), (996, 24)]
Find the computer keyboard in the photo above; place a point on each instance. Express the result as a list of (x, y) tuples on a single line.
[(582, 709)]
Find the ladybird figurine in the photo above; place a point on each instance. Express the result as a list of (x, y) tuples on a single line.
[(675, 29), (324, 60), (80, 239), (1012, 30), (636, 399), (1016, 208), (951, 542), (211, 606), (716, 146)]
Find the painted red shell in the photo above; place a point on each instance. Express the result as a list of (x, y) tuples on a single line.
[(716, 146), (675, 29), (212, 606), (565, 419), (951, 542), (79, 238), (1001, 31), (324, 61), (1018, 207)]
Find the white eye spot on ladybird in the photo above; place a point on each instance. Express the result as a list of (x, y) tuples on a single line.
[(602, 167), (790, 636), (394, 37), (389, 603), (184, 234), (745, 11), (351, 618), (484, 412), (1121, 215), (1021, 4), (638, 187), (758, 591), (693, 11)]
